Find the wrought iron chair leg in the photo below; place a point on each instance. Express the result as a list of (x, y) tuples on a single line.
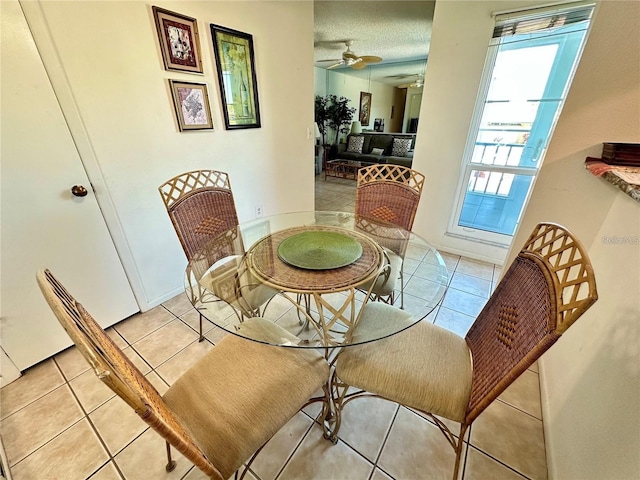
[(459, 446), (402, 288), (171, 464), (201, 338)]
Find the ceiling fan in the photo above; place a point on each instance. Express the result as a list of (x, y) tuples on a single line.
[(417, 83), (351, 59)]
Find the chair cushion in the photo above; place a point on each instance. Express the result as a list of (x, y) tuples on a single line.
[(386, 281), (424, 367), (381, 141), (230, 281), (355, 144), (241, 393), (400, 147)]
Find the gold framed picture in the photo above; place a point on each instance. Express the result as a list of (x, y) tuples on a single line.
[(191, 103), (365, 108), (179, 41), (237, 77)]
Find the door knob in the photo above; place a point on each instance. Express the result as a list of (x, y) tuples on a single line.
[(79, 191)]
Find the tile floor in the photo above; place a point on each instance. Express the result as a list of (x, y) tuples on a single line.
[(58, 421)]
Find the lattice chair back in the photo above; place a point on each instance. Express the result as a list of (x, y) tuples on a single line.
[(200, 204), (113, 367), (389, 237), (389, 193), (547, 287)]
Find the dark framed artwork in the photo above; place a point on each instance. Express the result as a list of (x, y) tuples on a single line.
[(191, 103), (365, 107), (179, 41), (237, 77)]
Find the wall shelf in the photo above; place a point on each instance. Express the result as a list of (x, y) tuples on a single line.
[(632, 190)]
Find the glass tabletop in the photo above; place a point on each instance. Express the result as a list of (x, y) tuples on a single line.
[(301, 279)]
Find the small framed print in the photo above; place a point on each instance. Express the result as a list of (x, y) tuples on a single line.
[(191, 103), (365, 108), (179, 41)]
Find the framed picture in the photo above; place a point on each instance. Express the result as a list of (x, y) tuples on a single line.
[(237, 77), (365, 107), (179, 41), (191, 103)]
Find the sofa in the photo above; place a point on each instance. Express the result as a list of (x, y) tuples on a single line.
[(373, 148)]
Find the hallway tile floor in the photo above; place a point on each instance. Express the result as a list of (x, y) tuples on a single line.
[(58, 421)]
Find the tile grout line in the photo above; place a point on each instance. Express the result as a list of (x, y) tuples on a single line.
[(91, 424)]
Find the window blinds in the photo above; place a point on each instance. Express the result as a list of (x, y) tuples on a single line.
[(541, 19)]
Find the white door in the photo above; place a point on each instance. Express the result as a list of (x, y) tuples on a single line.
[(43, 224)]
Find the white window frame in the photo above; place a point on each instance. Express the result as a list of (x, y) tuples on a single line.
[(482, 236)]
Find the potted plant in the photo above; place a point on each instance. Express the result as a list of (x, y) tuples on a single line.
[(333, 112), (321, 116), (340, 115)]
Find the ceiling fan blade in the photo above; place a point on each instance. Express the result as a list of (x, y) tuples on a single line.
[(340, 62), (346, 55), (371, 59), (359, 65), (330, 60), (401, 75)]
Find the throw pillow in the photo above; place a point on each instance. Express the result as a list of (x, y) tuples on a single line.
[(355, 144), (377, 151), (400, 147)]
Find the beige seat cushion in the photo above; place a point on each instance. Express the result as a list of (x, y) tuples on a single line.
[(243, 291), (424, 367), (386, 281), (241, 393)]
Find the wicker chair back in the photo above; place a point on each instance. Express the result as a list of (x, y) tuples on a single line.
[(547, 287), (389, 193), (201, 206), (113, 367)]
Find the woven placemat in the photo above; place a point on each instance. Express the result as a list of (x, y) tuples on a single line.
[(319, 250), (266, 264)]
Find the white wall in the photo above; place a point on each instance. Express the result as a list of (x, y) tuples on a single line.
[(350, 86), (591, 390), (591, 377), (110, 55), (459, 42)]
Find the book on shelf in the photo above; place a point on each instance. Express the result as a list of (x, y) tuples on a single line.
[(627, 154)]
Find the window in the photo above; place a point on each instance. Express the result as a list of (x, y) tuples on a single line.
[(530, 63)]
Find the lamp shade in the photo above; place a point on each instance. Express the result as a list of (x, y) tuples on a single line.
[(356, 127), (316, 130)]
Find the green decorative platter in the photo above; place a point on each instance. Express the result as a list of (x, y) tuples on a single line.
[(319, 250)]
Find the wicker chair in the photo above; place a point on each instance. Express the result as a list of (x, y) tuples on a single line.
[(390, 194), (201, 207), (222, 410), (548, 286)]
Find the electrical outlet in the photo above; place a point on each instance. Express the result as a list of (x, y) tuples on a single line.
[(259, 211)]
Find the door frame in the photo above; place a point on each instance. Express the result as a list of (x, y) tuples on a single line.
[(43, 39)]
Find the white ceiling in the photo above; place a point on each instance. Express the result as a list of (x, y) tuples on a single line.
[(397, 31)]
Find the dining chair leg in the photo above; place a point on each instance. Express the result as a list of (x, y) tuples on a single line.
[(201, 338), (401, 288), (459, 446), (171, 464)]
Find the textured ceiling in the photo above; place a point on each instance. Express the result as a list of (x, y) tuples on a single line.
[(397, 31)]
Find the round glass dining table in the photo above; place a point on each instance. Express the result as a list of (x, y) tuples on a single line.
[(301, 279)]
